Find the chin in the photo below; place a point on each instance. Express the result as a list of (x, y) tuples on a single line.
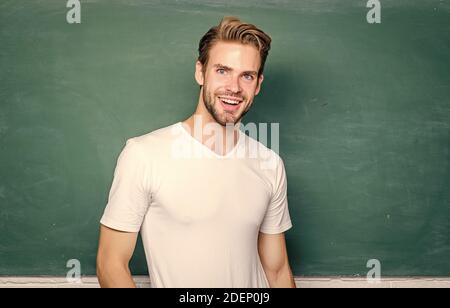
[(232, 120)]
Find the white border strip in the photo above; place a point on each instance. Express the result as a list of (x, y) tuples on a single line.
[(301, 282)]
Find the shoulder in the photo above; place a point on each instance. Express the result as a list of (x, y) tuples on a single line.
[(261, 152), (156, 139), (267, 163)]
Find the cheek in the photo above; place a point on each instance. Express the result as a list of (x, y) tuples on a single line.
[(214, 86), (249, 91)]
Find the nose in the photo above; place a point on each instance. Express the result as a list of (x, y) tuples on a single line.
[(233, 85)]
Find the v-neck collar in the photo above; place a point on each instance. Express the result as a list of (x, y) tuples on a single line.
[(211, 152)]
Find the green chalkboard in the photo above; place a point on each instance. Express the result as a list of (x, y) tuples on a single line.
[(364, 115)]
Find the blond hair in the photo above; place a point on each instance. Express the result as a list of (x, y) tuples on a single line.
[(232, 29)]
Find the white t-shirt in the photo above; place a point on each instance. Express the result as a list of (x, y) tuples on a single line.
[(199, 215)]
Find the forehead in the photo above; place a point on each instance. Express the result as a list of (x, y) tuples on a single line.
[(235, 55)]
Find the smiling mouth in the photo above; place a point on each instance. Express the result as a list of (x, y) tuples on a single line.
[(230, 104), (230, 101)]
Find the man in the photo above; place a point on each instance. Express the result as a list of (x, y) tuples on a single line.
[(213, 220)]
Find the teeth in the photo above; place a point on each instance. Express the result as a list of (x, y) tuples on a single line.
[(229, 101)]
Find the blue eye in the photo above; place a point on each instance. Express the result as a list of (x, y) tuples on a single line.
[(221, 71), (248, 77)]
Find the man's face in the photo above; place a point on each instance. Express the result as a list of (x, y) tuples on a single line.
[(230, 82)]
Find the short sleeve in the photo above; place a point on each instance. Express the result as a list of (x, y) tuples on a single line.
[(128, 198), (277, 218)]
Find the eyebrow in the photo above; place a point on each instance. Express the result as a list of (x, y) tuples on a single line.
[(227, 68)]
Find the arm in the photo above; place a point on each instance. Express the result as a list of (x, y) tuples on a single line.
[(114, 253), (274, 259)]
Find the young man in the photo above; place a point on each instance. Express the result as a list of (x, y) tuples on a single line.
[(208, 220)]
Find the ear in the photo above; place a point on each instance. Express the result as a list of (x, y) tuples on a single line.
[(258, 87), (199, 73)]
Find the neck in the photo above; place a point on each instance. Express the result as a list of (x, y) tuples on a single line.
[(218, 138)]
